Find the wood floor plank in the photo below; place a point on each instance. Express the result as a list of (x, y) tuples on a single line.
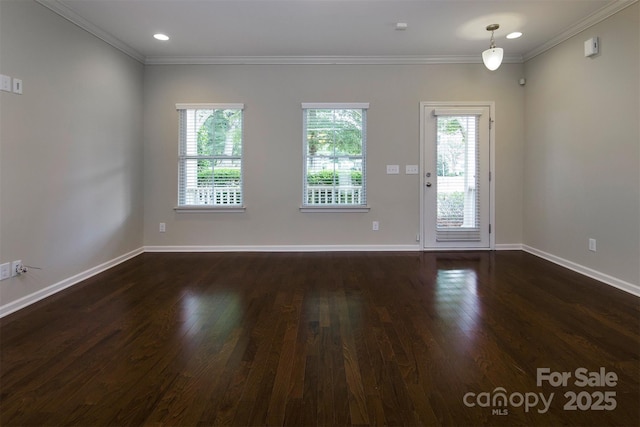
[(319, 339), (340, 409), (357, 400), (280, 392)]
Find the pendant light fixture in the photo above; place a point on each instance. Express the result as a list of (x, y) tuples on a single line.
[(492, 57)]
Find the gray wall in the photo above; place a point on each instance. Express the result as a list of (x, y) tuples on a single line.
[(70, 149), (82, 181), (582, 149), (272, 95)]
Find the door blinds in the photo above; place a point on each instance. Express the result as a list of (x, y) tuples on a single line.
[(458, 184)]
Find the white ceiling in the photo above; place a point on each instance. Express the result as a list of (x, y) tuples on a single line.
[(245, 31)]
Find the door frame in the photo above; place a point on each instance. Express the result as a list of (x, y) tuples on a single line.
[(430, 105)]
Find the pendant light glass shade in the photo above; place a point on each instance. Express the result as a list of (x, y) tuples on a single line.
[(492, 58)]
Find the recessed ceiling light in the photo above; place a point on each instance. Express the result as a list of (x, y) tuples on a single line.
[(514, 35), (161, 37)]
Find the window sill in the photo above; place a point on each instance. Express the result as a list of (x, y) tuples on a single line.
[(334, 208), (209, 209)]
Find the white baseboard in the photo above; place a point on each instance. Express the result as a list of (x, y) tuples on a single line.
[(589, 272), (320, 248), (286, 248), (57, 287), (20, 303), (508, 247)]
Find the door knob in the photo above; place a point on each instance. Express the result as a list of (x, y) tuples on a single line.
[(428, 184)]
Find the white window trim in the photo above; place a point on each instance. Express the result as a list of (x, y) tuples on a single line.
[(334, 208), (208, 208), (210, 106), (335, 105), (213, 208)]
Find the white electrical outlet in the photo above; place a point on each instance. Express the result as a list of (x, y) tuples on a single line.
[(592, 245), (15, 268), (163, 227), (5, 271), (375, 226)]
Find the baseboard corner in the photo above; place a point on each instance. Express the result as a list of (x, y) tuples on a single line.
[(631, 288), (508, 246), (41, 294)]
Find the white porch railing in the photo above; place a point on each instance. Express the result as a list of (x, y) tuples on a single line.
[(330, 195), (213, 196), (316, 195)]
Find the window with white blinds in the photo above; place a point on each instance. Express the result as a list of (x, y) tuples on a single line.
[(210, 155), (334, 155), (458, 184)]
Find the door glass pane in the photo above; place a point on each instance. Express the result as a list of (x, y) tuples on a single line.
[(457, 178)]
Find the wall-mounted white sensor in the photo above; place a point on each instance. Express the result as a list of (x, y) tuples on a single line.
[(591, 47), (522, 81), (401, 26)]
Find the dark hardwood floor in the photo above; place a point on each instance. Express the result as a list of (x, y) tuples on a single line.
[(325, 339)]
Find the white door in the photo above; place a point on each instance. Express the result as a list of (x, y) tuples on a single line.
[(456, 183)]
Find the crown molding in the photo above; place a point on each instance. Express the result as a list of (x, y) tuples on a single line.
[(586, 23), (323, 60), (70, 15)]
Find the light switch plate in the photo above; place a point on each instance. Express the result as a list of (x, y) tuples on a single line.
[(411, 169), (393, 169), (17, 86)]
